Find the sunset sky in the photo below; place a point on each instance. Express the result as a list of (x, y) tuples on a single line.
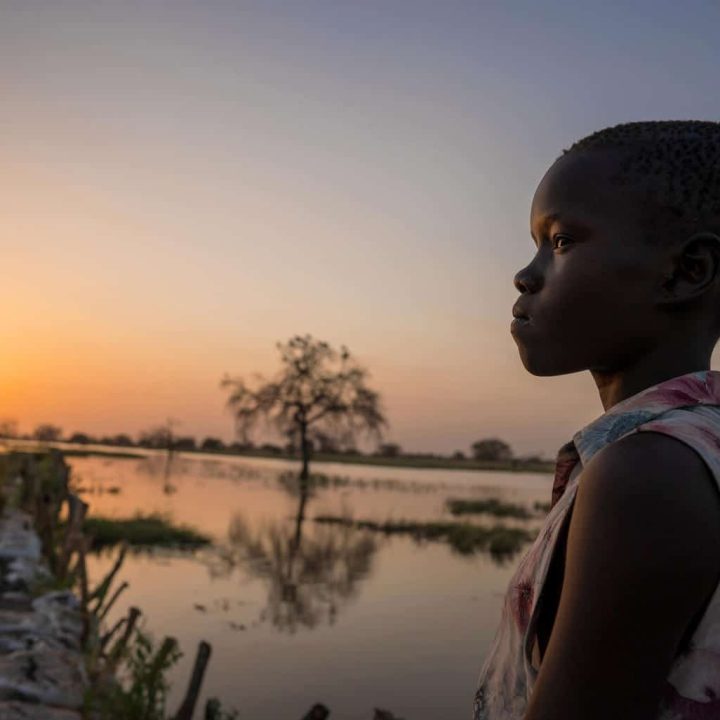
[(186, 183)]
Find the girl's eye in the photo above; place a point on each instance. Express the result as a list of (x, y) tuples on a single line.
[(558, 240)]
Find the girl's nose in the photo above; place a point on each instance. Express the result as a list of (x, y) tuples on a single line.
[(528, 280)]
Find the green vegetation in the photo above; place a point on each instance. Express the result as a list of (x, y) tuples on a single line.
[(128, 678), (491, 506), (420, 461), (142, 530), (144, 692), (321, 446), (465, 538), (103, 453), (438, 462), (140, 690), (491, 449)]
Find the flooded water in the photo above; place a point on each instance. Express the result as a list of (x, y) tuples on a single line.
[(299, 612)]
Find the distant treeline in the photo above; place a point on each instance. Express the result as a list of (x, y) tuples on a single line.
[(163, 438)]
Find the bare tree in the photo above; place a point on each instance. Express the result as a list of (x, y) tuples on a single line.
[(318, 391)]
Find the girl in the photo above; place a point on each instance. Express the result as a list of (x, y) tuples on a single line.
[(614, 611)]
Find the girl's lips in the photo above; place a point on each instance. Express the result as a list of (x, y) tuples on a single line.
[(518, 323)]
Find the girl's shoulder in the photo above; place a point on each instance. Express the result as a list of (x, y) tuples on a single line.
[(668, 463), (697, 427), (665, 467)]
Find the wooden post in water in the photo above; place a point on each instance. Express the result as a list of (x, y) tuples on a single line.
[(384, 715), (317, 712), (187, 707)]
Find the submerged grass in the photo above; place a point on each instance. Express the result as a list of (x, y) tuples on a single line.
[(465, 538), (491, 506), (142, 530)]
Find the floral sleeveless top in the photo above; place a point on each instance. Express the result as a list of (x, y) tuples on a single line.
[(686, 407)]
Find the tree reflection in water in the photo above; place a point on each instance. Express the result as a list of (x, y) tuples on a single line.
[(163, 466), (309, 576)]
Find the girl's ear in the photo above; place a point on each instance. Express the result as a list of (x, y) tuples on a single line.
[(695, 269)]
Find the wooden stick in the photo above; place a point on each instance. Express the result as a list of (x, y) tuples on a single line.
[(101, 590), (101, 615), (187, 707), (108, 636)]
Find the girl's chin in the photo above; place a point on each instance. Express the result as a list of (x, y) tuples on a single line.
[(539, 364)]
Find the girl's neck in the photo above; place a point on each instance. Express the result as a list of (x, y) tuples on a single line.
[(613, 387)]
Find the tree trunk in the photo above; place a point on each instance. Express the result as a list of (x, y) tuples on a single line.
[(300, 517), (305, 450)]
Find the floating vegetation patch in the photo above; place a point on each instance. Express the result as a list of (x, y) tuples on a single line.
[(491, 506), (142, 530), (465, 538)]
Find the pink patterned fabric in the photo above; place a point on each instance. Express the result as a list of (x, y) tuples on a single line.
[(686, 407)]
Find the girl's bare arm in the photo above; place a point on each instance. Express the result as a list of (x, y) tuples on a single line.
[(643, 558)]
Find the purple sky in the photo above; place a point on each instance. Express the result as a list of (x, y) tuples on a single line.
[(186, 183)]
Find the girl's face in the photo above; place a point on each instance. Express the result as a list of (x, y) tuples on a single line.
[(589, 292)]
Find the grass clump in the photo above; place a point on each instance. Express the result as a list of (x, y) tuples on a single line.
[(142, 689), (491, 506), (143, 530), (465, 538)]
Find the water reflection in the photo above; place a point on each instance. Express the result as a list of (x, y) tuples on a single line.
[(168, 487), (317, 481), (162, 466), (393, 590), (220, 468), (310, 575)]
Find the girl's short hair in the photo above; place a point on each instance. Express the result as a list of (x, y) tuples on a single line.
[(677, 165)]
